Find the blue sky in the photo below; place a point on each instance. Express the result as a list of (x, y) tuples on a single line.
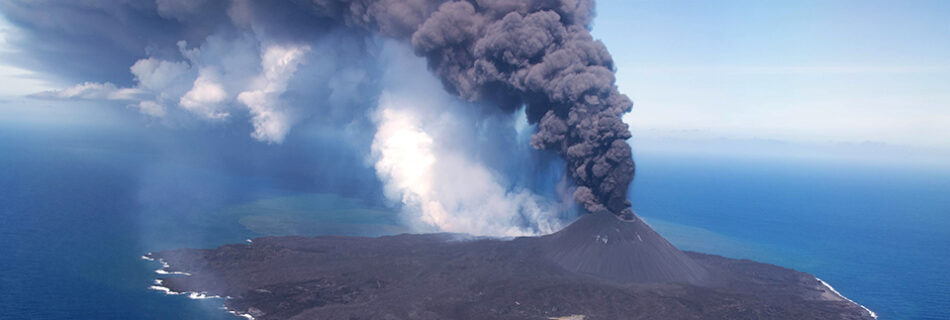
[(804, 72)]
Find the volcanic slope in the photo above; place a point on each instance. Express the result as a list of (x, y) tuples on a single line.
[(599, 267), (604, 246)]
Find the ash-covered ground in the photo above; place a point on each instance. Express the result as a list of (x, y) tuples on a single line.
[(599, 267)]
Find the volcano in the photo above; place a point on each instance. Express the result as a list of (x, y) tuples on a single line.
[(622, 251), (599, 267)]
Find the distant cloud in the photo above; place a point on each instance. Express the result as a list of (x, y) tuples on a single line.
[(159, 75), (215, 77), (92, 91), (149, 107)]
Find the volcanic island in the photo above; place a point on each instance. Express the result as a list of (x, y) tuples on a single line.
[(599, 267)]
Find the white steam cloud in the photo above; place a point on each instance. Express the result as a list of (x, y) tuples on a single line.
[(444, 190), (423, 154), (425, 150), (271, 121)]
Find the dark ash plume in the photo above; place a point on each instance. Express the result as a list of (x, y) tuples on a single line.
[(540, 54), (507, 53)]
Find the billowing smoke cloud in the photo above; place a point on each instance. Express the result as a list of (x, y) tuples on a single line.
[(541, 54), (535, 54), (509, 53)]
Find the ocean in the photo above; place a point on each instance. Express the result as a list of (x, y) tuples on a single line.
[(79, 210), (878, 234)]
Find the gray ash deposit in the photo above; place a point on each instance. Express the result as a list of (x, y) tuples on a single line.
[(600, 267)]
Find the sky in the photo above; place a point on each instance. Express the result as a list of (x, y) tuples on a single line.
[(805, 73), (17, 81), (802, 72)]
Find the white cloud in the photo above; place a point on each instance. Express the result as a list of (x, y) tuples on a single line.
[(156, 79), (149, 107), (159, 75), (271, 121), (204, 85), (280, 63), (222, 73), (92, 91), (206, 97)]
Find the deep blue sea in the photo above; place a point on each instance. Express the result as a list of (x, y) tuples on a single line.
[(880, 235), (78, 210)]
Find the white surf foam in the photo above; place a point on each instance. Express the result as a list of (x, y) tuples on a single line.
[(201, 296), (163, 272), (243, 315), (190, 294), (197, 296), (166, 290), (165, 265), (873, 315)]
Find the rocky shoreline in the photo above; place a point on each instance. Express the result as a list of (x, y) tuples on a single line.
[(449, 276)]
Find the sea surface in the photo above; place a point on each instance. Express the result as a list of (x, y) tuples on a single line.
[(78, 211), (880, 235)]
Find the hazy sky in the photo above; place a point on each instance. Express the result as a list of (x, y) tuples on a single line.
[(801, 71), (812, 72), (16, 81)]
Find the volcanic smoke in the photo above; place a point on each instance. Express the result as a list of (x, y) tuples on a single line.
[(507, 54), (535, 53)]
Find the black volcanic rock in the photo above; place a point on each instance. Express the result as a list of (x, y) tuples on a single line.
[(622, 251), (599, 268)]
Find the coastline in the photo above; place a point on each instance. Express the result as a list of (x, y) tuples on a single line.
[(827, 285), (157, 286), (829, 294)]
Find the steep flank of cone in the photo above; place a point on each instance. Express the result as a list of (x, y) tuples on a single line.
[(604, 246)]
